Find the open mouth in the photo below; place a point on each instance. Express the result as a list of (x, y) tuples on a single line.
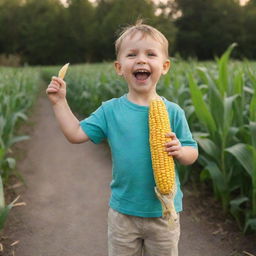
[(141, 74)]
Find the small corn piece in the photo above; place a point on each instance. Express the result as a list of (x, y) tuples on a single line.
[(162, 163), (63, 71)]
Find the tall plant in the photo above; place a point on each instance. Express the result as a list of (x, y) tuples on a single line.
[(221, 110)]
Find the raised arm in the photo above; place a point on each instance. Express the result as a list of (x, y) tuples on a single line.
[(68, 123)]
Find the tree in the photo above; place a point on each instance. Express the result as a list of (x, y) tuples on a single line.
[(206, 28), (79, 30), (122, 13), (41, 31), (98, 50), (10, 14), (249, 38)]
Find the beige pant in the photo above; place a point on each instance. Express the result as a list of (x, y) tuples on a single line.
[(136, 236)]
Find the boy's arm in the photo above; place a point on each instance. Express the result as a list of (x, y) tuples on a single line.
[(187, 155), (69, 124)]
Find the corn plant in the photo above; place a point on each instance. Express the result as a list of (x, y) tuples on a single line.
[(4, 209), (221, 108), (18, 90), (245, 154)]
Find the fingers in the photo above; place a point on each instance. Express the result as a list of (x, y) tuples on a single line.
[(59, 81), (52, 87), (174, 146), (55, 84), (171, 135)]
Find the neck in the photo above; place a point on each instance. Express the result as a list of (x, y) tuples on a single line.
[(142, 99)]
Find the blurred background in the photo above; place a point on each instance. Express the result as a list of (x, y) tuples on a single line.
[(43, 32)]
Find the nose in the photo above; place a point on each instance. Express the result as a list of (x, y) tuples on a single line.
[(141, 59)]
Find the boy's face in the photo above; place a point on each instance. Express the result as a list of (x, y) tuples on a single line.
[(141, 62)]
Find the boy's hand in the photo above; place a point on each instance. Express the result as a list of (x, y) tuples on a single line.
[(56, 90), (173, 147)]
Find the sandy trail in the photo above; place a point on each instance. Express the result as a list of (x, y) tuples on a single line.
[(67, 198)]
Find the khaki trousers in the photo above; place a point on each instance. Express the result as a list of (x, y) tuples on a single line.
[(137, 236)]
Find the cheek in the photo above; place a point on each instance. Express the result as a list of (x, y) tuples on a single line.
[(127, 68)]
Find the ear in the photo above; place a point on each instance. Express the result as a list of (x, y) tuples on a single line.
[(118, 67), (166, 66)]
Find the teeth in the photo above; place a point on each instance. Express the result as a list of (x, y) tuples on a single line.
[(142, 71)]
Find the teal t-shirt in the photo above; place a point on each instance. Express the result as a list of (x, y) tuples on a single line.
[(125, 126)]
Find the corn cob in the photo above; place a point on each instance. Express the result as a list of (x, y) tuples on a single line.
[(63, 71), (162, 163)]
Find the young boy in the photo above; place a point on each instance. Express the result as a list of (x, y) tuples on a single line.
[(135, 223)]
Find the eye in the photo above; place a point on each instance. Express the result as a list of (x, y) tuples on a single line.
[(131, 55), (151, 54)]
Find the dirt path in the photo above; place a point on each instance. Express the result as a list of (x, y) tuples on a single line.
[(67, 199)]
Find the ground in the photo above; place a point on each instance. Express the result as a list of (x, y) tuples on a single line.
[(66, 196)]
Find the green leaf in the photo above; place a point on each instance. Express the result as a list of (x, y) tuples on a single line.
[(5, 211), (204, 175), (2, 153), (223, 70), (252, 127), (209, 147), (235, 203), (252, 77), (218, 178), (238, 83), (200, 134), (244, 156), (236, 210), (3, 216), (250, 223), (2, 201), (203, 73), (16, 139), (215, 99), (253, 108), (11, 162), (201, 108), (216, 105), (228, 112)]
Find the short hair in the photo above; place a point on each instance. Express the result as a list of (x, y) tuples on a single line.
[(131, 30)]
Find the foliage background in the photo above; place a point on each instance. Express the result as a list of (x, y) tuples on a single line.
[(46, 32)]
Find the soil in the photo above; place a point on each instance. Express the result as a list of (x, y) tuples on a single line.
[(66, 201)]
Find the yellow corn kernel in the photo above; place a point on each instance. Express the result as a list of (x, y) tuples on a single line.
[(162, 163), (63, 71)]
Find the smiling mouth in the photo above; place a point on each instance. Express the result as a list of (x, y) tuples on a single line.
[(141, 75)]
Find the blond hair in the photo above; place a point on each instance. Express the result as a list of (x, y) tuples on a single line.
[(146, 30)]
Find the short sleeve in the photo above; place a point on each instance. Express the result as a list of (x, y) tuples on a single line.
[(95, 126), (182, 130)]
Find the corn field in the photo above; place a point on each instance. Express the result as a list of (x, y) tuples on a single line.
[(219, 100), (18, 91)]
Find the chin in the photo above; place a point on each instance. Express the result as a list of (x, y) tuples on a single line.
[(143, 89)]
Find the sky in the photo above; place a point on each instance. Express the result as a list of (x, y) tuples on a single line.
[(243, 2)]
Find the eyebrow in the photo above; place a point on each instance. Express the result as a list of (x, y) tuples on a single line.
[(137, 50)]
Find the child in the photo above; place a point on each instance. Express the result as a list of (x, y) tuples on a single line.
[(135, 223)]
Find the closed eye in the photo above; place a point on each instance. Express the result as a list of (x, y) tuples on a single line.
[(151, 54)]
